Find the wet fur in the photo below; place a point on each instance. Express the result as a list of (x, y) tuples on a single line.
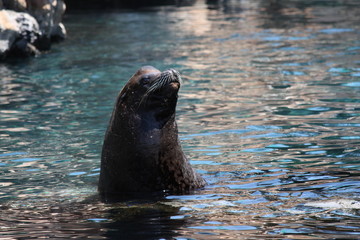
[(141, 151)]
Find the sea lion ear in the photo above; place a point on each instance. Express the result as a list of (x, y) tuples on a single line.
[(121, 98)]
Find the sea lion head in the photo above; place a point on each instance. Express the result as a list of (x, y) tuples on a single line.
[(151, 94)]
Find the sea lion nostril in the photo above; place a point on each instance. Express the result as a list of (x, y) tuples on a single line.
[(174, 72), (175, 75)]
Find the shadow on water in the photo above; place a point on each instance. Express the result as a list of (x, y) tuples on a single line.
[(145, 222), (50, 218)]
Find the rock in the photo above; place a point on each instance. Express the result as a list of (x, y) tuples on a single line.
[(49, 14), (19, 33), (58, 33), (9, 31), (29, 26), (16, 5)]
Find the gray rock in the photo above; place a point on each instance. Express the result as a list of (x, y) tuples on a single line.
[(48, 13), (9, 31), (19, 33), (58, 32), (28, 26)]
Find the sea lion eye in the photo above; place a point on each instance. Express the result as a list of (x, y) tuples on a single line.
[(145, 80)]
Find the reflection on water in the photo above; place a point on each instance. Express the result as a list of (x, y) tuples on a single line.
[(268, 113)]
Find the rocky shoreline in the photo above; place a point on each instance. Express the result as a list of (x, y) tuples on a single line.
[(28, 27)]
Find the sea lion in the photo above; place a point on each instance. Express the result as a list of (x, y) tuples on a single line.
[(141, 151)]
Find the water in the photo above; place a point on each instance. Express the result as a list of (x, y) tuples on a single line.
[(268, 113)]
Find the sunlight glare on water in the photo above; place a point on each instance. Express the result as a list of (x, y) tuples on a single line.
[(268, 113)]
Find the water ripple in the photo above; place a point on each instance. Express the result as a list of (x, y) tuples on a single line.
[(268, 114)]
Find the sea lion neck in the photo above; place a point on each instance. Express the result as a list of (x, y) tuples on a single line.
[(157, 120)]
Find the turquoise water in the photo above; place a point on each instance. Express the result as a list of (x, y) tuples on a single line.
[(269, 113)]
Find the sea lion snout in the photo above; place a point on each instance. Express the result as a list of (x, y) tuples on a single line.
[(165, 79), (173, 75), (174, 81)]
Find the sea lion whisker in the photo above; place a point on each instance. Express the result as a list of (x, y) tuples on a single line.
[(157, 84), (150, 90), (164, 81), (168, 79), (143, 100)]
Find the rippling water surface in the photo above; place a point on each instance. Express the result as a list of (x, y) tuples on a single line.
[(269, 113)]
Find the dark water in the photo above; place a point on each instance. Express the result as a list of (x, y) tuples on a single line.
[(269, 113)]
